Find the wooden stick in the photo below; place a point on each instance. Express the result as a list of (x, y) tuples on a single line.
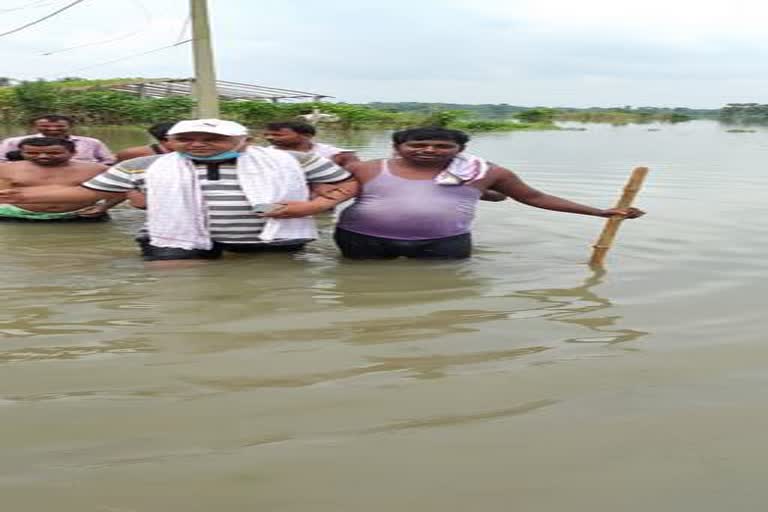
[(611, 227)]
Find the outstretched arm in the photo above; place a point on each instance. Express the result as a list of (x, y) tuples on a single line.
[(100, 209), (54, 194), (510, 184)]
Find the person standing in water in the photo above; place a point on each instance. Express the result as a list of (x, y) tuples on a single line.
[(421, 203), (49, 161), (213, 193), (87, 149), (162, 145), (299, 136)]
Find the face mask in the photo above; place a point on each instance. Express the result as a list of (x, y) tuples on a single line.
[(218, 157), (226, 155)]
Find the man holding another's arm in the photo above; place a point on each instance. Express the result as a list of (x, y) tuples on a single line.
[(214, 193)]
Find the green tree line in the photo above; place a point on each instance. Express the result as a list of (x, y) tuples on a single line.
[(96, 104), (91, 102)]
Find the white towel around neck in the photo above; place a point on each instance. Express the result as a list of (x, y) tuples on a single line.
[(176, 211), (464, 168)]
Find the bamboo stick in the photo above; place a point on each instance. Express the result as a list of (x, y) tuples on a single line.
[(611, 227)]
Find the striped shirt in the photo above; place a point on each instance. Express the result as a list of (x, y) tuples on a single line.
[(231, 218)]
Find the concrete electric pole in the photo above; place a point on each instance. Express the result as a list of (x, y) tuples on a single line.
[(205, 72)]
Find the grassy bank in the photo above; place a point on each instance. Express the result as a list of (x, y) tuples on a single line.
[(91, 102)]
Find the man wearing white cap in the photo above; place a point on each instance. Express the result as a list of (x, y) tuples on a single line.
[(214, 193)]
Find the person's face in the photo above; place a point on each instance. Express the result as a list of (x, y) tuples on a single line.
[(204, 144), (428, 151), (47, 156), (167, 144), (285, 138), (52, 128)]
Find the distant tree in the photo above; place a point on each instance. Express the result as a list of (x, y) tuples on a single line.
[(444, 118), (537, 115), (38, 97)]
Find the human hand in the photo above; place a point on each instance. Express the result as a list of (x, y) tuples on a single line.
[(627, 213), (12, 195), (96, 210), (294, 209), (137, 199), (335, 191)]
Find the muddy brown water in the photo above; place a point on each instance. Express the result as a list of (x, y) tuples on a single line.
[(518, 380)]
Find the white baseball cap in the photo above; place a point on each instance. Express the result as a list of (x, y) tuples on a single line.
[(218, 126)]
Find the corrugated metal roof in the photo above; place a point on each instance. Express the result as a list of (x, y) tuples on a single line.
[(162, 88)]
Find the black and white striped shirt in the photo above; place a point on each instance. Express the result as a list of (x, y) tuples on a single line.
[(231, 218)]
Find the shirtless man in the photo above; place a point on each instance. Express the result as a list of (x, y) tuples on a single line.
[(214, 193), (298, 136), (48, 161)]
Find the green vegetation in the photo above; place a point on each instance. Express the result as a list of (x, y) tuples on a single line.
[(744, 113), (483, 111), (504, 111), (622, 117), (92, 102)]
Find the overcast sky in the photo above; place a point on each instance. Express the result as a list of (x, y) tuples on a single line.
[(522, 52)]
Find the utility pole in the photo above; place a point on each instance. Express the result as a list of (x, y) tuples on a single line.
[(205, 73)]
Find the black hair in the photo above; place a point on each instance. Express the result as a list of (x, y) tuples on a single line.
[(53, 117), (48, 141), (14, 156), (297, 126), (160, 130), (433, 133)]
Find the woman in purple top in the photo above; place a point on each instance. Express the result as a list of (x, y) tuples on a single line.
[(412, 206)]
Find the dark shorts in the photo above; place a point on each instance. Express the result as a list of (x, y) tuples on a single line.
[(151, 252), (363, 247), (100, 218)]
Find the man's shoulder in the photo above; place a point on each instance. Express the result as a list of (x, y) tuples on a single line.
[(136, 165), (135, 152), (366, 165), (18, 138), (11, 167), (92, 167), (93, 140), (301, 156)]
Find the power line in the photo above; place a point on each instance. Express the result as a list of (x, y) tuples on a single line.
[(94, 43), (54, 13), (125, 58), (184, 28), (37, 3), (147, 24)]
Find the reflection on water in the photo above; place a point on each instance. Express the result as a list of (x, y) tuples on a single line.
[(452, 421), (568, 305), (73, 352)]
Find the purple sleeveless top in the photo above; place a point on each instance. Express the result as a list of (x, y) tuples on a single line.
[(393, 207)]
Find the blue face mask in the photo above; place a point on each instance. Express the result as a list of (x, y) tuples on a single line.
[(226, 155)]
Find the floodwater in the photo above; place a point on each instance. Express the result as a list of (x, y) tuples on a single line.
[(519, 380)]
